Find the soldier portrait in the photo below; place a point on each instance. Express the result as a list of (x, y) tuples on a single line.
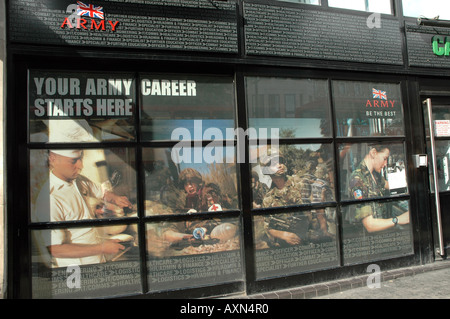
[(370, 179), (298, 176)]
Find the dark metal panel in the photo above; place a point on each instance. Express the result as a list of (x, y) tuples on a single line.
[(311, 32), (191, 25)]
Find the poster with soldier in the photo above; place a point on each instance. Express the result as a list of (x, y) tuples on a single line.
[(173, 187), (299, 240), (193, 252), (82, 185), (378, 227), (197, 249)]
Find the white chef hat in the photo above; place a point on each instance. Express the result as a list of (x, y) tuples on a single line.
[(69, 131), (69, 153)]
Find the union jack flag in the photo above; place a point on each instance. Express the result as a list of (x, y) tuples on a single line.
[(89, 10), (378, 94)]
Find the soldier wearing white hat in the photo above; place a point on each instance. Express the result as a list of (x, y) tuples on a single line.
[(63, 198)]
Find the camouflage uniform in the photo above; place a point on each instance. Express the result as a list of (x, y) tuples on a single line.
[(259, 192), (297, 223), (289, 195), (361, 186)]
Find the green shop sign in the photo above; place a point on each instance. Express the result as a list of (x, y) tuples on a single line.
[(441, 45)]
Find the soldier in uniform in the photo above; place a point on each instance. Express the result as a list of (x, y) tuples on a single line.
[(198, 198), (286, 191), (211, 198), (192, 183), (259, 190), (315, 189), (65, 198), (366, 181)]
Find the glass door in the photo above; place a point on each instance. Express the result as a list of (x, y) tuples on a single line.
[(437, 131)]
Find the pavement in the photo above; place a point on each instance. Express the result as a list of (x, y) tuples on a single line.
[(430, 281), (430, 285)]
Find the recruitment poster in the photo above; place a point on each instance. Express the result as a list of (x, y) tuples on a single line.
[(195, 249), (368, 109), (189, 181), (299, 240), (380, 228), (94, 107), (75, 187)]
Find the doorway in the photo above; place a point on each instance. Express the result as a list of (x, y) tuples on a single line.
[(436, 111)]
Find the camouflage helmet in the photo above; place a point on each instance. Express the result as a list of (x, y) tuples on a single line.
[(190, 174)]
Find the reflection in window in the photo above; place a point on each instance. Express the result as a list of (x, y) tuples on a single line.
[(175, 185), (175, 101), (297, 107), (376, 230), (426, 8), (443, 166), (368, 109), (293, 175), (381, 6), (372, 170)]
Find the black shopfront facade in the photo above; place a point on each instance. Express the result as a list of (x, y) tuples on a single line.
[(173, 116)]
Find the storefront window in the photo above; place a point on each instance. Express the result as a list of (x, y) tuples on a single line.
[(296, 107), (87, 198), (173, 183), (85, 262), (376, 231), (295, 242), (293, 175), (177, 185), (75, 187), (191, 180), (372, 170), (381, 6), (368, 109), (192, 253), (200, 249), (82, 184), (75, 107), (426, 8), (193, 103)]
